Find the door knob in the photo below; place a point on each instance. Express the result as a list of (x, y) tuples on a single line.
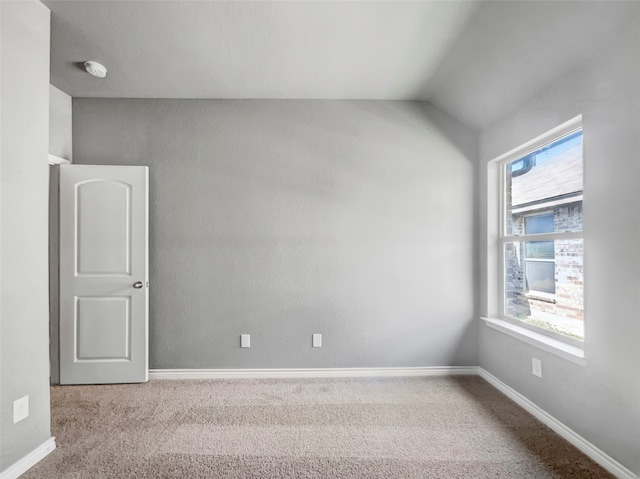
[(138, 284)]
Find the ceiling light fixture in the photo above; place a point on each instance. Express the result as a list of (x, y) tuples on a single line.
[(95, 69)]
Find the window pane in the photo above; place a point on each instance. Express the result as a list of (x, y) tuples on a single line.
[(540, 276), (545, 293), (538, 224), (539, 250), (547, 180)]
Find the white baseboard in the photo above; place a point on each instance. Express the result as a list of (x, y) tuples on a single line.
[(310, 373), (27, 462), (606, 461)]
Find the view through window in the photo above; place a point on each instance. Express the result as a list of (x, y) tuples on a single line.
[(542, 240)]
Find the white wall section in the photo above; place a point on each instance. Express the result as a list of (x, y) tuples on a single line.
[(24, 355), (600, 400), (60, 124)]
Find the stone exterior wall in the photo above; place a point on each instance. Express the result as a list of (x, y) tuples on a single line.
[(569, 278)]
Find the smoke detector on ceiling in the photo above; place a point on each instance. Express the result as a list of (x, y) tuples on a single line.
[(95, 69)]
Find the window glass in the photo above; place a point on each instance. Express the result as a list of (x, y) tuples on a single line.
[(545, 180), (547, 294), (538, 224), (543, 280), (541, 276), (539, 250)]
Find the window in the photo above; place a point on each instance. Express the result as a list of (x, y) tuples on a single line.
[(541, 236)]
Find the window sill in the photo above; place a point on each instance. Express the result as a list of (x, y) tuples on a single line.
[(538, 296), (569, 352)]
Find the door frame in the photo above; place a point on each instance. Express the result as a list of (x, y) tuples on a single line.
[(54, 266)]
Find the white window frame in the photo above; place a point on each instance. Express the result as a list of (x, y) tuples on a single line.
[(559, 344)]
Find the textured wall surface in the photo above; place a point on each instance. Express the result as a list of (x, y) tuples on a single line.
[(280, 219), (599, 401), (24, 314)]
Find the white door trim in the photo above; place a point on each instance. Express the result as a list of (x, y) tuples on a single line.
[(56, 160)]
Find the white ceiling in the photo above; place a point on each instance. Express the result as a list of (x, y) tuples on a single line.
[(473, 59), (271, 49)]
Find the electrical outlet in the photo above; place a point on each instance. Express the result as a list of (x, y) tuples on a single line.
[(536, 367), (316, 341), (20, 409), (245, 340)]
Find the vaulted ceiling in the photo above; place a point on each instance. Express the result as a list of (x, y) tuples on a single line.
[(473, 59)]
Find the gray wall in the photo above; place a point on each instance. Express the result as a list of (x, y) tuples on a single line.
[(280, 219), (24, 355), (601, 401)]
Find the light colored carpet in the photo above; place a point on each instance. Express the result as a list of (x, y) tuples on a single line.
[(438, 427)]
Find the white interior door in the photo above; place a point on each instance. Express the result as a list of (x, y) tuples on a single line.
[(104, 294)]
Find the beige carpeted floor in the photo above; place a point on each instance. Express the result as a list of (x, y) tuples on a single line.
[(438, 427)]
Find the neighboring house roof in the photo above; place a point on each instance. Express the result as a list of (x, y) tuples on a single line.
[(556, 181)]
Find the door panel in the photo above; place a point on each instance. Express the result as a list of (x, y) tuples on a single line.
[(97, 200), (103, 328), (103, 274)]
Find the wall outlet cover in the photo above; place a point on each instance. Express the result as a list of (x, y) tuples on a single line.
[(245, 340), (316, 342), (536, 367)]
